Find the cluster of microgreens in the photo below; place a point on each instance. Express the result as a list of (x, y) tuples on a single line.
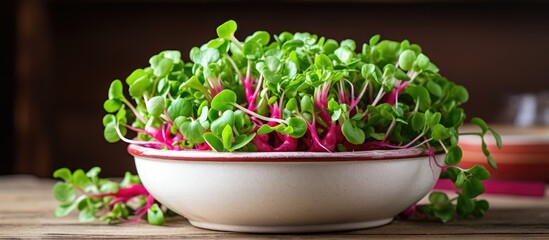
[(301, 92), (127, 201)]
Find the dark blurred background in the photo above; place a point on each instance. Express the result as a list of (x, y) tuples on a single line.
[(59, 57)]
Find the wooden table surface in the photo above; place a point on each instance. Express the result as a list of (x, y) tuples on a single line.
[(26, 211)]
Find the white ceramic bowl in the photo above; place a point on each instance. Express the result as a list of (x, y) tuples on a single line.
[(286, 192)]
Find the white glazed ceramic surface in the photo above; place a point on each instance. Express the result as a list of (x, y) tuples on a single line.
[(285, 192)]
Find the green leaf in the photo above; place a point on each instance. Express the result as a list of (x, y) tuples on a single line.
[(439, 132), (214, 142), (460, 179), (292, 104), (349, 44), (227, 136), (227, 118), (265, 129), (180, 107), (484, 148), (110, 134), (368, 70), (472, 187), (465, 206), (155, 106), (422, 62), (445, 213), (227, 29), (497, 137), (460, 94), (480, 123), (406, 59), (492, 163), (434, 89), (64, 209), (330, 46), (401, 75), (93, 172), (454, 155), (112, 105), (216, 43), (136, 75), (164, 67), (438, 198), (291, 45), (418, 121), (173, 55), (86, 215), (323, 62), (352, 133), (139, 87), (344, 54), (115, 90), (252, 50), (193, 83), (261, 37), (374, 39), (155, 216), (63, 173), (192, 131), (299, 127), (64, 192), (109, 187), (479, 172), (419, 93), (80, 179), (272, 63), (481, 206), (307, 104), (242, 140), (223, 100), (129, 178)]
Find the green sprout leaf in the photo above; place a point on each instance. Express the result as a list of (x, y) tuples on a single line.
[(214, 141), (299, 127), (472, 187), (115, 90), (155, 106), (227, 29), (454, 155), (479, 172), (180, 107), (227, 136), (224, 100), (192, 131), (497, 137), (155, 216), (406, 59), (480, 123), (323, 62), (63, 173), (64, 193), (352, 133)]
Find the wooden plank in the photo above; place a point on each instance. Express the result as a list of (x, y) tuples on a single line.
[(27, 212)]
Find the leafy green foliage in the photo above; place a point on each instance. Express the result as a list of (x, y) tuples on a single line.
[(296, 92), (104, 199)]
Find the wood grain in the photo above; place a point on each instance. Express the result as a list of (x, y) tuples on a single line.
[(26, 211)]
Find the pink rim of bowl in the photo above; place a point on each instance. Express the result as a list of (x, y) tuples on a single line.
[(195, 155)]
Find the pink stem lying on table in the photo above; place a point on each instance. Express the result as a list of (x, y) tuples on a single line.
[(504, 187)]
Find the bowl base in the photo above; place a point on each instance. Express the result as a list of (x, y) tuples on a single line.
[(292, 229)]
